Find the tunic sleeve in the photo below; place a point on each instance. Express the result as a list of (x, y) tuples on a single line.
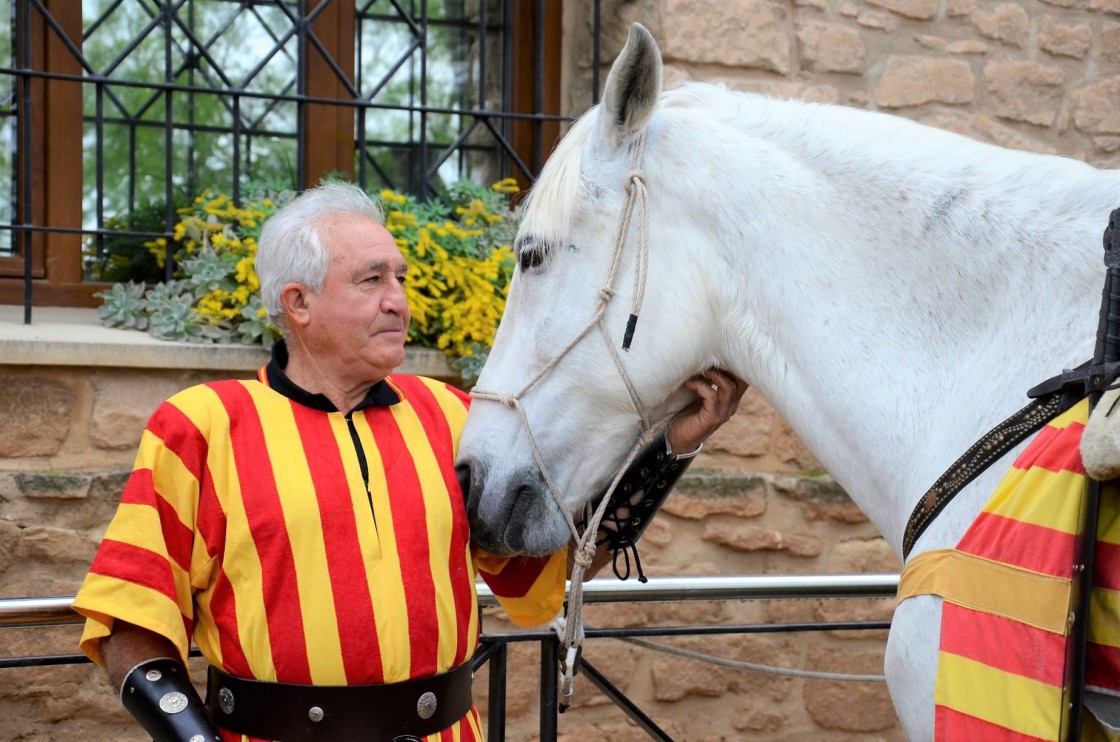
[(530, 589), (146, 564)]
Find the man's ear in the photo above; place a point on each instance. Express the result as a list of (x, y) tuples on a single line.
[(294, 299)]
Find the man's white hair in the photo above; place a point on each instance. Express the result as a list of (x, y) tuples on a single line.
[(290, 249)]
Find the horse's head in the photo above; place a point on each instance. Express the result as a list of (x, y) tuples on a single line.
[(581, 396)]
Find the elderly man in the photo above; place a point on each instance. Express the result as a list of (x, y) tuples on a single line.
[(306, 529)]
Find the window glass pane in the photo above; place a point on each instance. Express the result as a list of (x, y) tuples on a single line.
[(226, 140), (442, 78), (208, 99)]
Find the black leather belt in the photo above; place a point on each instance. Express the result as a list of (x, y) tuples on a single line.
[(340, 713)]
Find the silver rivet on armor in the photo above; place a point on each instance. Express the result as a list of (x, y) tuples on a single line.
[(315, 714), (153, 675), (426, 706), (173, 702), (225, 700)]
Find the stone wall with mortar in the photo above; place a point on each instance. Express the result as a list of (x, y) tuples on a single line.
[(70, 419), (1038, 75)]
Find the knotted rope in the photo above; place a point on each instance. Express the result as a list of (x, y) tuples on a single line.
[(571, 627)]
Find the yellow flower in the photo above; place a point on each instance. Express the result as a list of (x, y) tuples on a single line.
[(398, 221), (392, 197), (506, 185), (457, 284)]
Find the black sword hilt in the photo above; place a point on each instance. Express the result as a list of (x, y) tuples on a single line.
[(1107, 350)]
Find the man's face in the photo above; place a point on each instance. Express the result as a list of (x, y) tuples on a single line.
[(359, 322)]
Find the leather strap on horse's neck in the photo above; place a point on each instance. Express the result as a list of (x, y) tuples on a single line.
[(1051, 398)]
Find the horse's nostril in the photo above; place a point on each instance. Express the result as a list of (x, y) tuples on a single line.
[(463, 472)]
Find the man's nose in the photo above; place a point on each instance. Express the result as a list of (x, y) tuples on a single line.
[(394, 301)]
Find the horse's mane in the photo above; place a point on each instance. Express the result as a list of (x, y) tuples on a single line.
[(554, 197), (833, 136)]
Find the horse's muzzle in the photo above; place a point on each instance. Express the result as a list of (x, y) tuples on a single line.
[(510, 516)]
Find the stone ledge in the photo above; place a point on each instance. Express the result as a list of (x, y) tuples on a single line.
[(59, 336)]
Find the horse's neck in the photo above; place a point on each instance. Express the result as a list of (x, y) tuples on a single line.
[(892, 319)]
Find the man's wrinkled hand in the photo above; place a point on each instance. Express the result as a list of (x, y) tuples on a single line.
[(718, 394)]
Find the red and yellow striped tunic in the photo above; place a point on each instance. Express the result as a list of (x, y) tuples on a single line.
[(1007, 590), (247, 526)]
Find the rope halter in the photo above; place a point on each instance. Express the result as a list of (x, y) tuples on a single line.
[(636, 204)]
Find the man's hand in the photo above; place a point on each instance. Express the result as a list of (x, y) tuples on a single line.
[(718, 392)]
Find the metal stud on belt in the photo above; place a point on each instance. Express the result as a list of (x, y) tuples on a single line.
[(426, 706), (225, 700)]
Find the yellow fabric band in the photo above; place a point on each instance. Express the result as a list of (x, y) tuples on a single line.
[(973, 582)]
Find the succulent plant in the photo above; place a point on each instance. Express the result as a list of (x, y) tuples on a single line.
[(124, 306), (255, 326), (161, 293), (470, 366), (457, 246), (208, 272), (176, 319)]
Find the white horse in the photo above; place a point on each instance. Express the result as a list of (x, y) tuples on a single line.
[(892, 289)]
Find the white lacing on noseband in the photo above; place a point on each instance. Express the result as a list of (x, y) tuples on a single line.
[(637, 200)]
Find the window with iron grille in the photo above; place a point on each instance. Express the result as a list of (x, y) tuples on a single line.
[(115, 111)]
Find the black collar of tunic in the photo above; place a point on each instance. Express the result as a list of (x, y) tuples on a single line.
[(380, 394)]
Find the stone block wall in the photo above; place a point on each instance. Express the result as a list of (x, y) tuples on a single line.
[(68, 436), (67, 440), (1038, 75), (721, 521)]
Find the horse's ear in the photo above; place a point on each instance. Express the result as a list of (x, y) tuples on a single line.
[(633, 88)]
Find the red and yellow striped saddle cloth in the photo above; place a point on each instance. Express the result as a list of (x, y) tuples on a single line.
[(1007, 599)]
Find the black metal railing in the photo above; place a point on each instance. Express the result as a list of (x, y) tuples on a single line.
[(184, 94), (493, 650)]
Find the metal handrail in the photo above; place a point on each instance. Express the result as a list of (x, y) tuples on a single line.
[(54, 611), (493, 648)]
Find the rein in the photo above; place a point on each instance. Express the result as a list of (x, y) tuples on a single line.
[(636, 204)]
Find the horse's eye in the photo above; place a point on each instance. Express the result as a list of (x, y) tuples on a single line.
[(530, 259)]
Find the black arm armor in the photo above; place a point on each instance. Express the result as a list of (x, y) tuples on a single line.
[(158, 693), (642, 491)]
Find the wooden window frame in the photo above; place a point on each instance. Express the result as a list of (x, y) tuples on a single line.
[(53, 114)]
